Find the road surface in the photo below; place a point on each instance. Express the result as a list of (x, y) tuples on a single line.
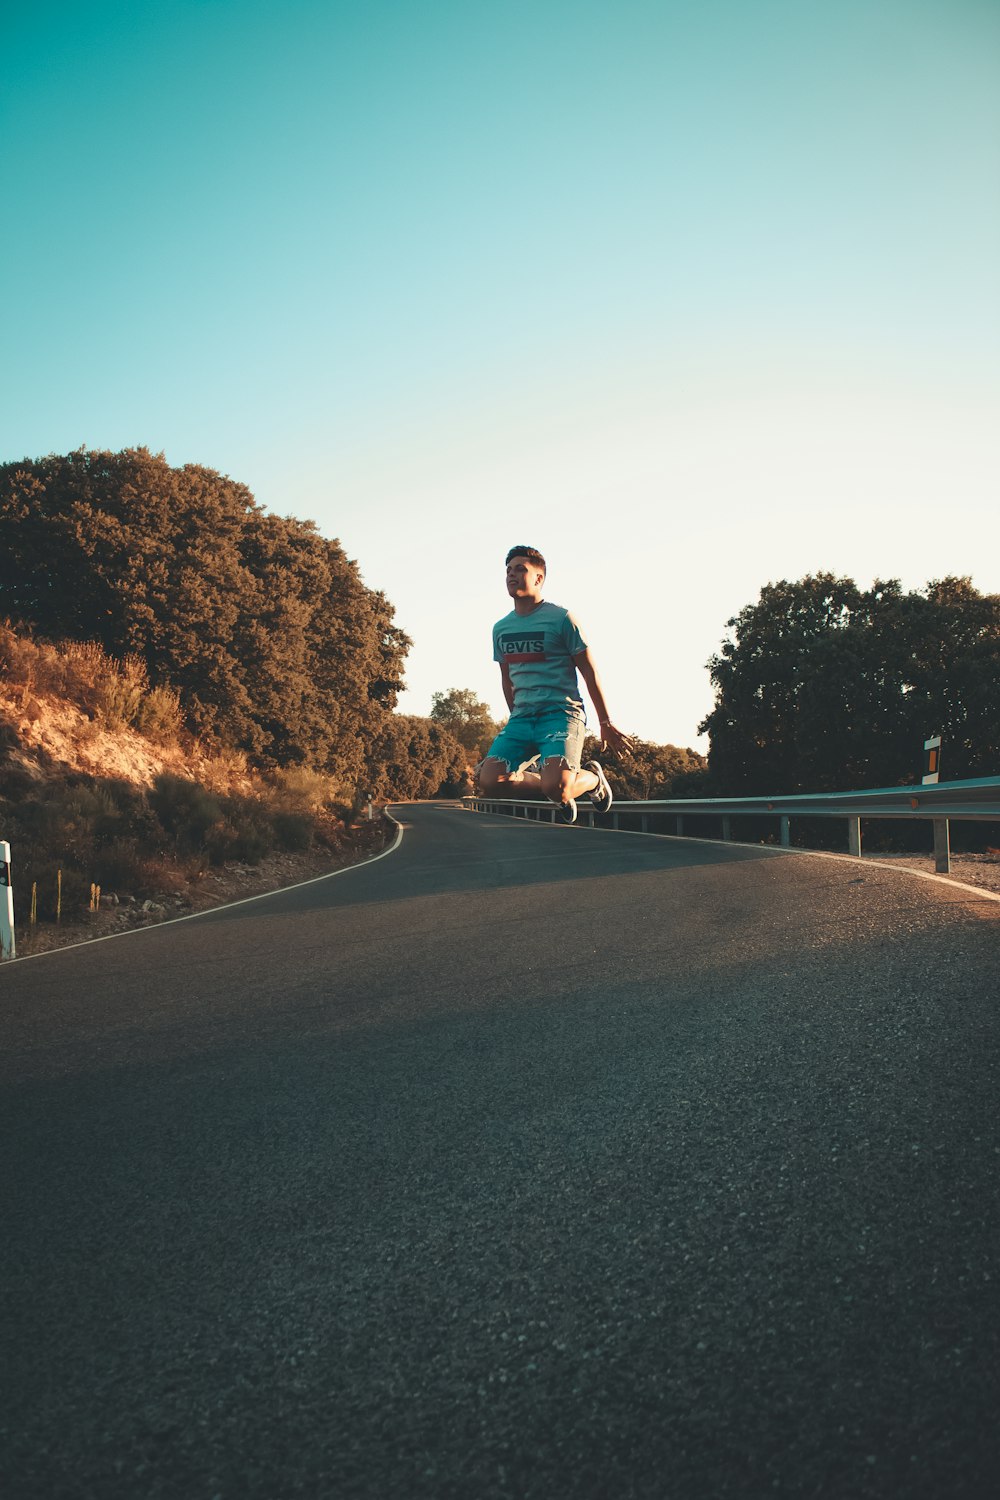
[(526, 1161)]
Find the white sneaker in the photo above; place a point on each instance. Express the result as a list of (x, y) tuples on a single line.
[(602, 795)]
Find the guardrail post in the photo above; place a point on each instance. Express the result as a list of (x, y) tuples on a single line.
[(680, 825), (644, 824), (614, 820), (590, 819), (786, 831), (7, 945), (942, 846), (854, 836), (727, 827)]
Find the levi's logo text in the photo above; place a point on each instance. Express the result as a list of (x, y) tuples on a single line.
[(525, 646)]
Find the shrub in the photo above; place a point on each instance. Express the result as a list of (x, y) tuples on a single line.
[(329, 832), (129, 816), (300, 789), (122, 690), (159, 718), (293, 831), (242, 835), (77, 670), (120, 867), (186, 811), (16, 781), (45, 877)]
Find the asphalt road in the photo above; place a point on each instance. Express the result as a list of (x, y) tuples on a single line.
[(525, 1162)]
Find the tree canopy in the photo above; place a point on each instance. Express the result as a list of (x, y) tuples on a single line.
[(414, 757), (467, 717), (650, 771), (822, 685), (264, 626)]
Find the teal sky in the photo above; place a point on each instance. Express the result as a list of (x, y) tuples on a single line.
[(691, 297)]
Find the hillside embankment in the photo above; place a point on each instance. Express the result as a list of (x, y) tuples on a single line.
[(116, 818), (218, 886)]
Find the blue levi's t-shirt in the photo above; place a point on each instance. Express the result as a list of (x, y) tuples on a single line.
[(539, 650)]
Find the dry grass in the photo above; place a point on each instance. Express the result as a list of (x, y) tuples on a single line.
[(117, 694)]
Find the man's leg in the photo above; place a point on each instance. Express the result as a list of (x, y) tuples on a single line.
[(500, 773), (562, 779), (561, 784), (496, 779)]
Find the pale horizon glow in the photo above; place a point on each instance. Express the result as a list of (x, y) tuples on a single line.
[(692, 299)]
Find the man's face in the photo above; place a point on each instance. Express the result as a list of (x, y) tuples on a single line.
[(524, 578)]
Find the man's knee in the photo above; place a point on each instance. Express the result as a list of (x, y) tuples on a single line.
[(556, 774), (493, 773)]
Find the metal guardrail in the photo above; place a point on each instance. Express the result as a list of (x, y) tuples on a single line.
[(976, 800)]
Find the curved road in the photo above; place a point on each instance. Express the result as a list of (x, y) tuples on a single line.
[(524, 1162)]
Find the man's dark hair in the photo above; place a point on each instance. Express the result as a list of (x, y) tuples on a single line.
[(531, 553)]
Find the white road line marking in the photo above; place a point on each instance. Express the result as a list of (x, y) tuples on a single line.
[(851, 859)]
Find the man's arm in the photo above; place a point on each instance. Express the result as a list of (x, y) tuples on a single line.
[(508, 686), (610, 734)]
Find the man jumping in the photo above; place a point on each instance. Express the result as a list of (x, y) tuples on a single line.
[(540, 649)]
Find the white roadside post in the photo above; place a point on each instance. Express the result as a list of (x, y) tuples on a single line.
[(932, 760), (6, 904)]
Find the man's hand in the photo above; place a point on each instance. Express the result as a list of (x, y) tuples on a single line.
[(613, 738)]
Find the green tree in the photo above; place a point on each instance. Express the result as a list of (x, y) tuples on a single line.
[(467, 717), (822, 685), (264, 626), (650, 771), (413, 757)]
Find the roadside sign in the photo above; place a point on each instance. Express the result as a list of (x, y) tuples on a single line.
[(6, 905)]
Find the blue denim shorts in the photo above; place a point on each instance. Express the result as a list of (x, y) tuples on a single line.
[(550, 733)]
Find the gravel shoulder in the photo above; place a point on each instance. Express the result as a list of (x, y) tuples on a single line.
[(216, 887), (972, 869)]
